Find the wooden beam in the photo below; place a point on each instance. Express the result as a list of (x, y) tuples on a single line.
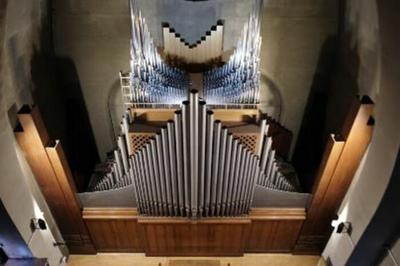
[(340, 162), (49, 165)]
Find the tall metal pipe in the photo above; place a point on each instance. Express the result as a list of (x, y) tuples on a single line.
[(232, 174), (194, 151), (262, 134), (172, 160), (215, 166), (160, 158), (179, 166), (209, 151), (124, 155), (221, 175), (202, 159), (167, 175), (228, 157), (186, 169)]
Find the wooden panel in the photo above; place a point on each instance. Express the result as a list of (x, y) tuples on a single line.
[(340, 162), (114, 229), (226, 115), (274, 230), (264, 230), (203, 237), (48, 164), (330, 159), (80, 242)]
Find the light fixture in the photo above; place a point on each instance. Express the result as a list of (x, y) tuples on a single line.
[(344, 228), (38, 224)]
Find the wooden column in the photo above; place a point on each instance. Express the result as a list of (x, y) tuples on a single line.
[(50, 167), (342, 156)]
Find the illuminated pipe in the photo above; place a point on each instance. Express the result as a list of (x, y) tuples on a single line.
[(232, 174), (236, 178), (119, 164), (244, 161), (186, 172), (221, 175), (262, 135), (214, 182), (124, 155), (160, 158), (194, 149), (142, 179), (172, 160), (227, 167), (209, 151), (246, 176), (148, 181), (152, 179), (167, 173), (202, 159), (157, 176), (271, 160), (178, 137)]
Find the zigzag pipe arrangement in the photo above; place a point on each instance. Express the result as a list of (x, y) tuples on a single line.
[(237, 82), (192, 167), (151, 80), (207, 48)]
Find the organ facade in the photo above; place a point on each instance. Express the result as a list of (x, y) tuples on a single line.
[(198, 169)]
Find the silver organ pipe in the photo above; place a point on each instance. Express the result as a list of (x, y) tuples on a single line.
[(178, 142), (237, 82), (194, 167), (151, 80)]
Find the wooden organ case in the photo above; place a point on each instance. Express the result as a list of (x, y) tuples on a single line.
[(89, 226), (193, 179)]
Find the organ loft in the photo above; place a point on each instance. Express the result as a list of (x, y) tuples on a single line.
[(208, 155)]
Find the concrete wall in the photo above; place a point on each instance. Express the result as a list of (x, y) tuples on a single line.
[(94, 35), (193, 19), (20, 33), (371, 26), (295, 35)]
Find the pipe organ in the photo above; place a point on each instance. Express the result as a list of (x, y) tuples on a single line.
[(194, 167), (196, 172), (237, 82)]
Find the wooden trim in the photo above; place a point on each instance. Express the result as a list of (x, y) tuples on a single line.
[(110, 213), (225, 115), (277, 214), (221, 220), (255, 214)]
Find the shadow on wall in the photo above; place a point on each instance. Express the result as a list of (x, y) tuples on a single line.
[(56, 90), (115, 109), (270, 98), (333, 89)]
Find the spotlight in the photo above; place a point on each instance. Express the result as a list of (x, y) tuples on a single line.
[(344, 228), (38, 224)]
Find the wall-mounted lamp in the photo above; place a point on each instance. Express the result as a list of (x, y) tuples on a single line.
[(344, 228), (38, 224)]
